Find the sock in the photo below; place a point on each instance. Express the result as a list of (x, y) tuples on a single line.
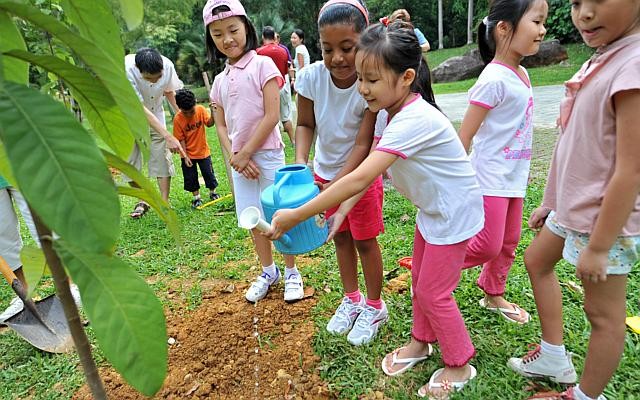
[(196, 196), (552, 349), (355, 297), (271, 270), (291, 271), (579, 394), (377, 304)]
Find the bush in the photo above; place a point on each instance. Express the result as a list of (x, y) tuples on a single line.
[(202, 96), (559, 23)]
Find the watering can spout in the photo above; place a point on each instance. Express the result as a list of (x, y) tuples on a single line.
[(250, 218)]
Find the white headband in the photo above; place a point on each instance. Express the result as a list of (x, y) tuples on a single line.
[(485, 20)]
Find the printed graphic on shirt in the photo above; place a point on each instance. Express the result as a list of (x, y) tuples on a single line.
[(522, 137)]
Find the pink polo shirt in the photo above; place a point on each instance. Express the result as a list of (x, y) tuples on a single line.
[(238, 90), (584, 158)]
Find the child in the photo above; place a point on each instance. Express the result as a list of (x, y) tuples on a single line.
[(418, 144), (247, 96), (499, 120), (593, 187), (329, 104), (188, 128)]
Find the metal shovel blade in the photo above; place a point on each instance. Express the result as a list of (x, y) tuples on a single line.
[(55, 340)]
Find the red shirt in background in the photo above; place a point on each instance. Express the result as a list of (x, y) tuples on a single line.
[(278, 55)]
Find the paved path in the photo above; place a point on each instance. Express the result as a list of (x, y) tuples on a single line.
[(545, 112)]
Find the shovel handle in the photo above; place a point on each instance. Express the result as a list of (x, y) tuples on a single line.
[(9, 275)]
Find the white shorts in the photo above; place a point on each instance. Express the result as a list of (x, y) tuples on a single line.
[(285, 101), (247, 191), (160, 158), (10, 241), (624, 253)]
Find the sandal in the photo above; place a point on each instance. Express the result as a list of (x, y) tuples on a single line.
[(409, 362), (508, 313), (140, 209), (446, 385)]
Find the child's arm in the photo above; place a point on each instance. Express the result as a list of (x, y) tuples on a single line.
[(271, 100), (305, 128), (346, 187), (211, 121), (471, 123), (622, 190)]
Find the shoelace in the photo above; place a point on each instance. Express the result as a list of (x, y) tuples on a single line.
[(532, 354), (341, 312), (369, 314)]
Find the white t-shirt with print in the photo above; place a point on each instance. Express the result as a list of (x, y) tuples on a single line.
[(502, 146), (433, 172), (338, 113), (152, 94)]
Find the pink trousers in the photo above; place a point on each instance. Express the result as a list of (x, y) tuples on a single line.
[(435, 273), (494, 247)]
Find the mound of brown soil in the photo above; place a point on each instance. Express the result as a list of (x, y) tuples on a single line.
[(214, 352)]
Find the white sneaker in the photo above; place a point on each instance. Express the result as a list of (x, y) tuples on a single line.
[(15, 307), (260, 287), (536, 364), (293, 288), (345, 316), (367, 324)]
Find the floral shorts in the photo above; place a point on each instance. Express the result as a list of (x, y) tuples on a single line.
[(624, 253)]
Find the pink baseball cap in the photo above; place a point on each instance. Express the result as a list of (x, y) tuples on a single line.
[(237, 10)]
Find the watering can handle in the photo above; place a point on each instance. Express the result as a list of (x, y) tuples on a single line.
[(276, 190)]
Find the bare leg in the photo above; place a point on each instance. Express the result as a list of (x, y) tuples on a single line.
[(263, 248), (604, 304), (164, 183), (347, 261), (371, 266), (288, 127), (540, 259)]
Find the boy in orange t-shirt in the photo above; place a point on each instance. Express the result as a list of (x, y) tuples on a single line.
[(188, 128)]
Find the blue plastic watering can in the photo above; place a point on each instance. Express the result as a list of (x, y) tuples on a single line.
[(294, 187)]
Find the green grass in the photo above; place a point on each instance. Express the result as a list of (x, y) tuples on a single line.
[(542, 76), (215, 248)]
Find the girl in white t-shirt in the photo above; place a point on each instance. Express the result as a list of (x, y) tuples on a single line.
[(330, 106), (301, 56), (500, 122), (420, 150)]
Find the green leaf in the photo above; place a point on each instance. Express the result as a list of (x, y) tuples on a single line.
[(132, 12), (13, 70), (34, 265), (108, 67), (126, 317), (5, 166), (98, 105), (59, 168), (146, 192), (84, 14)]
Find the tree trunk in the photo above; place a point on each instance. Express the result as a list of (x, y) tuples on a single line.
[(440, 35), (470, 23), (61, 281)]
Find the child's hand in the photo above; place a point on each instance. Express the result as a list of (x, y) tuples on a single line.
[(213, 107), (282, 221), (188, 162), (251, 171), (592, 265), (239, 161), (538, 216), (335, 222)]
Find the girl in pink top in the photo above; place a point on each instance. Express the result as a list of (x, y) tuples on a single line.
[(593, 187), (500, 122), (247, 94)]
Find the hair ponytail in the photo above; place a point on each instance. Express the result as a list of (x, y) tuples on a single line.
[(486, 41), (422, 84), (397, 47)]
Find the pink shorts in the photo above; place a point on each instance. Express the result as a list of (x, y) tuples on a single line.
[(364, 221)]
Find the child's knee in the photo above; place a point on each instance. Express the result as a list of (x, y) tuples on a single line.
[(604, 317), (535, 262), (366, 246)]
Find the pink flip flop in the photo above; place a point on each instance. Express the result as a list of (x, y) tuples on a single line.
[(409, 362)]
